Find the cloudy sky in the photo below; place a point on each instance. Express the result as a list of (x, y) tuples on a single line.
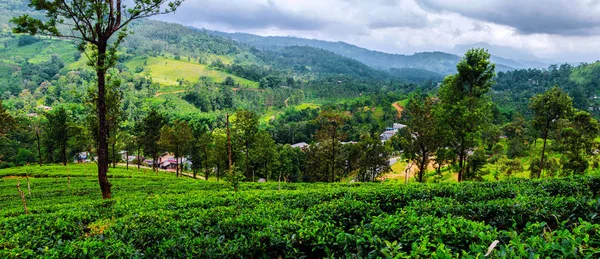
[(558, 30)]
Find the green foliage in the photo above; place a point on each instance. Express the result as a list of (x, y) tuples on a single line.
[(422, 136), (151, 127), (171, 217), (464, 105), (7, 122), (549, 108)]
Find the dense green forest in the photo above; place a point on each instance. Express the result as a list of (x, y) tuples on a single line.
[(426, 63)]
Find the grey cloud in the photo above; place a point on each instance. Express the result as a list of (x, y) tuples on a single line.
[(247, 15), (559, 17), (408, 20)]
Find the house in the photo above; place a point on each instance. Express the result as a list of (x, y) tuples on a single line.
[(83, 157), (391, 131), (168, 161), (45, 108), (387, 135), (301, 145)]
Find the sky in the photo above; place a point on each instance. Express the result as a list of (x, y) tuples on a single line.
[(552, 30)]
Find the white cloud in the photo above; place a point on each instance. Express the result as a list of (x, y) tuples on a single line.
[(555, 29)]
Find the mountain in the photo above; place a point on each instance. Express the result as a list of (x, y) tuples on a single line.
[(438, 62), (508, 56)]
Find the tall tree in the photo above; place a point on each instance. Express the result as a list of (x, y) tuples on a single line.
[(201, 153), (36, 127), (265, 156), (246, 128), (421, 138), (7, 122), (330, 134), (464, 104), (548, 108), (374, 160), (93, 24), (176, 138), (151, 126), (59, 131), (220, 155), (578, 139)]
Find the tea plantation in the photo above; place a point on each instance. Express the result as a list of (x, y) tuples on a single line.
[(160, 216)]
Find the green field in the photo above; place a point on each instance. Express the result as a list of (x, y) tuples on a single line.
[(39, 52), (167, 71), (160, 216)]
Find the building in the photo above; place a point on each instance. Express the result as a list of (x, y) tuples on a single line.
[(301, 145), (391, 131)]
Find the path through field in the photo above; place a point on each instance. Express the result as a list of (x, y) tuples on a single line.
[(398, 108)]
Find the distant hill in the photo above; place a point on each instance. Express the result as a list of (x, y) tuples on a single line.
[(438, 62), (507, 56)]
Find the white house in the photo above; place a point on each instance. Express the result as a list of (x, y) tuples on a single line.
[(390, 132), (301, 145)]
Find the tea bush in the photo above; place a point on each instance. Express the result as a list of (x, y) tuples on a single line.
[(156, 215)]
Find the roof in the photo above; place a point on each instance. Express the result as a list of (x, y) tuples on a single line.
[(389, 132), (300, 145)]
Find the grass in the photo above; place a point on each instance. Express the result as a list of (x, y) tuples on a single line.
[(404, 102), (311, 105), (40, 51), (167, 71)]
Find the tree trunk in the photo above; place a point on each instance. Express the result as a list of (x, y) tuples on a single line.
[(422, 166), (176, 161), (114, 155), (102, 126), (138, 158), (246, 164), (39, 147), (63, 150), (127, 159), (460, 166), (51, 154), (539, 174), (333, 155)]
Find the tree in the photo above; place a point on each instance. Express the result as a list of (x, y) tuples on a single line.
[(330, 135), (220, 156), (59, 131), (516, 134), (7, 122), (151, 126), (93, 24), (176, 138), (201, 153), (421, 138), (374, 160), (464, 105), (246, 127), (578, 141), (548, 108), (36, 127), (265, 156)]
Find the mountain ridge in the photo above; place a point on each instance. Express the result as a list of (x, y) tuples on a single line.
[(440, 62)]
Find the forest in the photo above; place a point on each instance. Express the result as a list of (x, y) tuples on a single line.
[(214, 146)]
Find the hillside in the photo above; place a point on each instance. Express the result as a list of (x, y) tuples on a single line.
[(437, 62)]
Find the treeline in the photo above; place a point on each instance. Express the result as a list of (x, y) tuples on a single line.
[(58, 136), (458, 129), (513, 89)]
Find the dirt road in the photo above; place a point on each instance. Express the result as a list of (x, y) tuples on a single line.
[(398, 108)]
